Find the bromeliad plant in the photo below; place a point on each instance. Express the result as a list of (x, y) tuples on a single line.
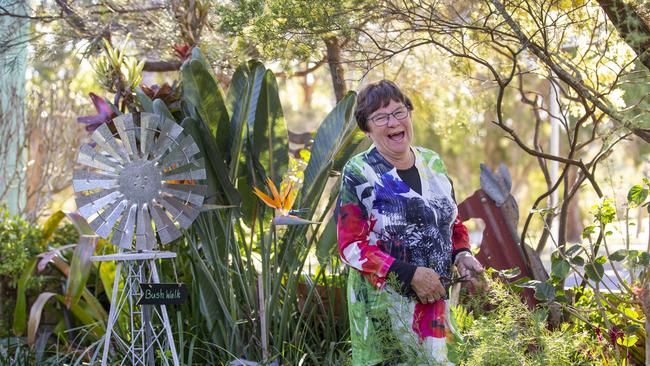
[(247, 270)]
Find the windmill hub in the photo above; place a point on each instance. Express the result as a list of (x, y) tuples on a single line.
[(140, 181)]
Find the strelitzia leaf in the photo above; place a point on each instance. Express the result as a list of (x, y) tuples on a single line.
[(331, 134), (202, 90)]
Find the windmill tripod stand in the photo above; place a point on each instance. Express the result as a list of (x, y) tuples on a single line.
[(147, 336)]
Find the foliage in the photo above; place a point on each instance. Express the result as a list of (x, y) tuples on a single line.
[(80, 316), (606, 305), (250, 268), (292, 30), (20, 242), (497, 328)]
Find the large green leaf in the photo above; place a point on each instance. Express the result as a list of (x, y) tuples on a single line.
[(355, 143), (618, 255), (637, 194), (270, 139), (331, 135), (560, 267), (202, 90), (544, 291), (594, 271), (198, 56), (243, 98), (160, 109), (327, 242), (20, 311), (220, 188), (145, 102), (79, 269)]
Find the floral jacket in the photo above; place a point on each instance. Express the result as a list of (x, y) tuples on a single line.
[(380, 221)]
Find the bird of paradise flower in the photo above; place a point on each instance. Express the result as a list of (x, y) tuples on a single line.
[(282, 201)]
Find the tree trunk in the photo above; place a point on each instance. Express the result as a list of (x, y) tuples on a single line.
[(34, 171), (574, 217), (308, 91), (13, 64), (630, 23), (336, 67)]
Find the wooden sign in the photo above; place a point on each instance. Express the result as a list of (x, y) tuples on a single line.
[(163, 294)]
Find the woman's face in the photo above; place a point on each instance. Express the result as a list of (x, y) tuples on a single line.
[(393, 136)]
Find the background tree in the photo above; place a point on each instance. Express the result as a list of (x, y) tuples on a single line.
[(313, 33)]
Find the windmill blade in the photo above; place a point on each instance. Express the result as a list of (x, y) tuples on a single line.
[(197, 174), (104, 138), (91, 158), (123, 234), (130, 189), (145, 236), (180, 211), (92, 203), (193, 194), (173, 167), (182, 153), (83, 180), (169, 132), (126, 130), (103, 224), (165, 228), (148, 129)]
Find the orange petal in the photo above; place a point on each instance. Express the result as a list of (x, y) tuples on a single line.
[(288, 203), (276, 195), (268, 200), (285, 198)]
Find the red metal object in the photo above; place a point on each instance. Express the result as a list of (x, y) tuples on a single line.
[(498, 248)]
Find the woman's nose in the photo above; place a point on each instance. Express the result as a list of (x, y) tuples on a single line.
[(392, 121)]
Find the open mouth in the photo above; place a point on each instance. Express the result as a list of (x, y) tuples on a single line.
[(396, 136)]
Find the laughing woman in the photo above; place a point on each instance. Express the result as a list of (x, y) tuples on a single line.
[(397, 215)]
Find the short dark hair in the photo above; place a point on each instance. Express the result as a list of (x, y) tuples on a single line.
[(377, 95)]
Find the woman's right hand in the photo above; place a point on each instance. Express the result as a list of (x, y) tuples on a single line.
[(426, 284)]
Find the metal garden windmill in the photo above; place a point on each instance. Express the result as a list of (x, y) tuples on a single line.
[(142, 181)]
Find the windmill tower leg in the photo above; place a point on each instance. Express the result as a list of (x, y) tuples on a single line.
[(112, 315)]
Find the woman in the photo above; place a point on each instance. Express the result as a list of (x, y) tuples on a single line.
[(398, 221)]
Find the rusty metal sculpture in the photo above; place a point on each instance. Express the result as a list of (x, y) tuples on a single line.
[(493, 203)]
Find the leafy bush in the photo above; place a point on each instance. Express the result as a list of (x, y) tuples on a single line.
[(20, 242), (499, 329)]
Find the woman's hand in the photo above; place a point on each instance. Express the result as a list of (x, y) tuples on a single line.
[(426, 284), (470, 267)]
